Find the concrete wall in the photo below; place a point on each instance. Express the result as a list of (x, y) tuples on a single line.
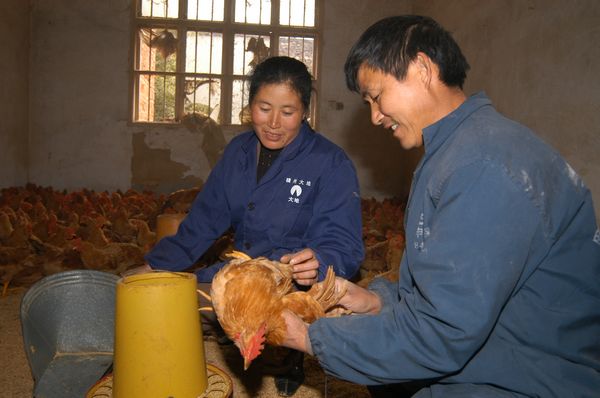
[(79, 91), (536, 60), (14, 63), (384, 168), (80, 135)]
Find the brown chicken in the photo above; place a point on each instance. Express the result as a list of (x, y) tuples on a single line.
[(113, 256), (6, 227), (145, 238), (249, 296)]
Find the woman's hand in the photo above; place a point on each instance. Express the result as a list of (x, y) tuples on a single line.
[(305, 266)]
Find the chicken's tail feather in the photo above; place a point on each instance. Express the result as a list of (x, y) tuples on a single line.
[(238, 255), (325, 292)]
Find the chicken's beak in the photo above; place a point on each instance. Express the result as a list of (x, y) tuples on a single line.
[(243, 351)]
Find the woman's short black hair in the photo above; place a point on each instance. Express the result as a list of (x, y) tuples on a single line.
[(391, 44), (287, 70)]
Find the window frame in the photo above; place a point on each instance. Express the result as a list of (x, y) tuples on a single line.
[(228, 28)]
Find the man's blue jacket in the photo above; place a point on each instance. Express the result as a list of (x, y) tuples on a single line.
[(499, 291)]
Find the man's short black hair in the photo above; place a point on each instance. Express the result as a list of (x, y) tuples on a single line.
[(391, 44)]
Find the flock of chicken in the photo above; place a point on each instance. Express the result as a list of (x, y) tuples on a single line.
[(44, 231), (383, 236)]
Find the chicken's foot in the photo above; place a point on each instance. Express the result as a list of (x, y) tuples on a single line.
[(206, 296)]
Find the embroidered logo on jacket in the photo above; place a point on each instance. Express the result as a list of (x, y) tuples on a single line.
[(296, 188), (596, 238), (421, 234)]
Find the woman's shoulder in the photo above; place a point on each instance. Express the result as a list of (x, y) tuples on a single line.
[(241, 141), (324, 144), (241, 138), (329, 156)]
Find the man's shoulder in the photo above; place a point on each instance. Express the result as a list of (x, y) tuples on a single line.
[(490, 136)]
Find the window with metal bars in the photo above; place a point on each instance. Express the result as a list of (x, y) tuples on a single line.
[(194, 56)]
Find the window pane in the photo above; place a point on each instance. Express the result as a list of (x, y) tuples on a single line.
[(297, 13), (248, 51), (203, 96), (156, 50), (253, 11), (301, 48), (240, 112), (206, 10), (194, 64), (155, 100), (204, 51), (160, 8)]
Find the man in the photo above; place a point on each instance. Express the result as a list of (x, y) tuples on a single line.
[(499, 291)]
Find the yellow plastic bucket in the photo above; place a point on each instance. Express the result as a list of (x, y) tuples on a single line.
[(159, 350), (167, 224)]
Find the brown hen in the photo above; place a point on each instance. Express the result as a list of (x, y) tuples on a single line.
[(249, 296)]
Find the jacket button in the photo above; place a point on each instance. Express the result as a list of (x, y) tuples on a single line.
[(247, 245), (251, 206)]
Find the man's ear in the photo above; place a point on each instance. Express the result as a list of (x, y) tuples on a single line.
[(425, 67)]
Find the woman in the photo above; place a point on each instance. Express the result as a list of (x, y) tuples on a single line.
[(288, 193)]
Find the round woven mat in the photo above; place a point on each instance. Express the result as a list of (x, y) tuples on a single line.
[(219, 385)]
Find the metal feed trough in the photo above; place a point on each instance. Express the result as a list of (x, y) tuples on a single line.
[(67, 321)]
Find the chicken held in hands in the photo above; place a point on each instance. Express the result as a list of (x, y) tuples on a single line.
[(250, 295)]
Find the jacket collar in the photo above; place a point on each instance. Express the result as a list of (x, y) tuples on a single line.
[(305, 135), (436, 134), (250, 147)]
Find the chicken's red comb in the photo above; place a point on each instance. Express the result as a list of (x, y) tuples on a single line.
[(257, 343)]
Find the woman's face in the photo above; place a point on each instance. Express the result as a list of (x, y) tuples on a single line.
[(277, 113)]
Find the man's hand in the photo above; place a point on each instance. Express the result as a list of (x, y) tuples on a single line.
[(357, 299), (297, 333), (305, 265)]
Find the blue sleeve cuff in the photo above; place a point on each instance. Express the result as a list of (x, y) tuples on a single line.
[(322, 266), (387, 292)]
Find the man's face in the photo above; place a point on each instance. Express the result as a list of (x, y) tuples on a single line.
[(396, 105)]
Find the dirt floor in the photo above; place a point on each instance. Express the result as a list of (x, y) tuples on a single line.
[(16, 380)]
